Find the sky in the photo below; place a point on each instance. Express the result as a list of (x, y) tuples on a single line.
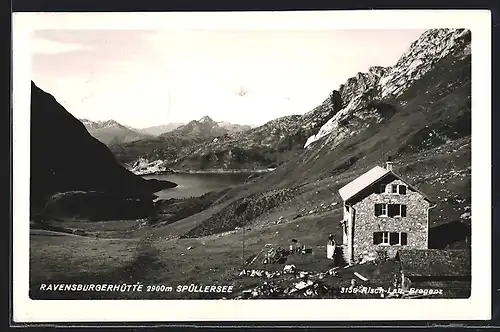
[(144, 78)]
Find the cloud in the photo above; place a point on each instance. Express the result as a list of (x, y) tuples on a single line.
[(44, 46)]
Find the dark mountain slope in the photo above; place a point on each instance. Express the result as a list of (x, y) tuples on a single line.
[(66, 158)]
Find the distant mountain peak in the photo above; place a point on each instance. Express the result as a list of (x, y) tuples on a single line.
[(87, 121), (161, 129), (206, 118), (108, 123), (99, 123), (112, 132)]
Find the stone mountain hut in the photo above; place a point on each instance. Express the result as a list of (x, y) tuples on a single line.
[(382, 214)]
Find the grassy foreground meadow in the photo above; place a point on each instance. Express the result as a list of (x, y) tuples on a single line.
[(133, 253)]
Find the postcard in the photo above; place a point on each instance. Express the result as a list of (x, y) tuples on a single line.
[(295, 165)]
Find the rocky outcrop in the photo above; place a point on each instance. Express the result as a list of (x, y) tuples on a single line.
[(66, 158), (362, 83), (142, 166), (365, 95), (423, 54)]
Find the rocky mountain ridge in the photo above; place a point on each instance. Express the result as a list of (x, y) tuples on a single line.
[(256, 148), (203, 128), (359, 98), (390, 82), (234, 128), (432, 108), (166, 128), (111, 132), (161, 129), (175, 144), (364, 100)]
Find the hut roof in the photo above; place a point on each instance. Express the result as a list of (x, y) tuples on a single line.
[(435, 262), (361, 182), (369, 178)]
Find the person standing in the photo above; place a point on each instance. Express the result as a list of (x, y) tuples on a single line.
[(330, 247)]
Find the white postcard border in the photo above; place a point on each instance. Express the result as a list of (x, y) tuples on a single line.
[(477, 307)]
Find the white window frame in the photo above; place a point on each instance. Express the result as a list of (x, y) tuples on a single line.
[(386, 236), (382, 207), (384, 210), (389, 188)]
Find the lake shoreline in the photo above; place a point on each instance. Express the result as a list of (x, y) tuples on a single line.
[(223, 171), (193, 184), (208, 171)]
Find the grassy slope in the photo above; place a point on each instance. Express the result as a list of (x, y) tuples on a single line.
[(214, 259)]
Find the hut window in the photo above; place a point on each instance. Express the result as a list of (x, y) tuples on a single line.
[(398, 238), (391, 238), (399, 189), (404, 239), (381, 238), (385, 237), (390, 210), (381, 210), (402, 189), (397, 210), (394, 188), (384, 189)]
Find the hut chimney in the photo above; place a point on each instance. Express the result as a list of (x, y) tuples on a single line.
[(388, 164)]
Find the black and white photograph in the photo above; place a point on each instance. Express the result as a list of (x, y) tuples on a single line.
[(239, 163)]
